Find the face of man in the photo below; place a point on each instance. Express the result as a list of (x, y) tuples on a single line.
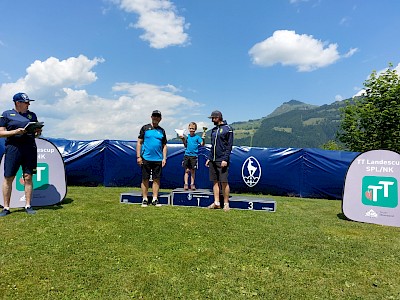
[(155, 119), (22, 107), (216, 120)]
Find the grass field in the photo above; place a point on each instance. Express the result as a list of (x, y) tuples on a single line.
[(93, 247)]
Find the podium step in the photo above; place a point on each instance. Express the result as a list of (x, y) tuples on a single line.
[(252, 203), (199, 198), (135, 197)]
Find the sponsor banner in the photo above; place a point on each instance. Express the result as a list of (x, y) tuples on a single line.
[(371, 190), (49, 183)]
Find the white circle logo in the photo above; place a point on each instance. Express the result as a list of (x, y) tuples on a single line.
[(251, 171)]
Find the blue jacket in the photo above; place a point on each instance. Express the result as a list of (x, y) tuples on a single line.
[(221, 142)]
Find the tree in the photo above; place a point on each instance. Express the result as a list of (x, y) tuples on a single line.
[(331, 145), (372, 121)]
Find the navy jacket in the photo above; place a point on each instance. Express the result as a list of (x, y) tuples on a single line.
[(221, 143)]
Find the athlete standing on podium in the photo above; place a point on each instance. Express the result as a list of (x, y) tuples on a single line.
[(151, 153), (218, 159)]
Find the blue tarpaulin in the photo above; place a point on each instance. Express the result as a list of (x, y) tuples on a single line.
[(300, 172)]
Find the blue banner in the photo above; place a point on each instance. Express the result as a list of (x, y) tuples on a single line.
[(300, 172)]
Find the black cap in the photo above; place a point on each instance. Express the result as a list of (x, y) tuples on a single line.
[(156, 113), (216, 114)]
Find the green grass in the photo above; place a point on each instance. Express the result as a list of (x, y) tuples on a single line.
[(93, 247)]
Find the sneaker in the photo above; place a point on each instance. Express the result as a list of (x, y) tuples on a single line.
[(185, 187), (29, 210), (144, 203), (4, 212), (193, 187), (155, 203), (213, 206), (226, 207)]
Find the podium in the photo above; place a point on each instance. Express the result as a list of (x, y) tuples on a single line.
[(199, 198), (135, 197), (203, 198)]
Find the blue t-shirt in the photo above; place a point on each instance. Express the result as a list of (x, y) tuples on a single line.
[(192, 145), (11, 120), (154, 139)]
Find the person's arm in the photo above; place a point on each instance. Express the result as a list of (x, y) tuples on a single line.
[(164, 152), (209, 157), (203, 139), (5, 133), (229, 145), (139, 151), (184, 140)]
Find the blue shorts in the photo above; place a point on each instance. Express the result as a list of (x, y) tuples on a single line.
[(15, 157)]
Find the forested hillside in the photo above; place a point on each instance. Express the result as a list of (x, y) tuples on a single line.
[(293, 124)]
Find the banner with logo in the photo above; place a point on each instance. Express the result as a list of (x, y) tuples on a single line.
[(371, 191), (49, 183)]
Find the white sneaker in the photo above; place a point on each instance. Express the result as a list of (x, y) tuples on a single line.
[(156, 203)]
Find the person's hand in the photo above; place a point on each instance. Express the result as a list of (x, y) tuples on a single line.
[(19, 131), (139, 161), (224, 164), (38, 132), (164, 162), (207, 162)]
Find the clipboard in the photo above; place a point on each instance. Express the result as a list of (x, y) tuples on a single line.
[(32, 126)]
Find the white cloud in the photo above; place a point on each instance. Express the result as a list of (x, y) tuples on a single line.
[(94, 117), (159, 19), (299, 50), (351, 52), (359, 93), (363, 91), (74, 114), (344, 21), (339, 98), (52, 74)]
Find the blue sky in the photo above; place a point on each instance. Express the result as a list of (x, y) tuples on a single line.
[(98, 68)]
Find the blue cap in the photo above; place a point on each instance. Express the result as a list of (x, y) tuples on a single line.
[(21, 97)]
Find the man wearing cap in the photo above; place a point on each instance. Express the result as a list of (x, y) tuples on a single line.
[(151, 153), (218, 159), (20, 149)]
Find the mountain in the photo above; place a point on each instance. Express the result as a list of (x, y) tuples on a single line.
[(293, 124), (289, 106)]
